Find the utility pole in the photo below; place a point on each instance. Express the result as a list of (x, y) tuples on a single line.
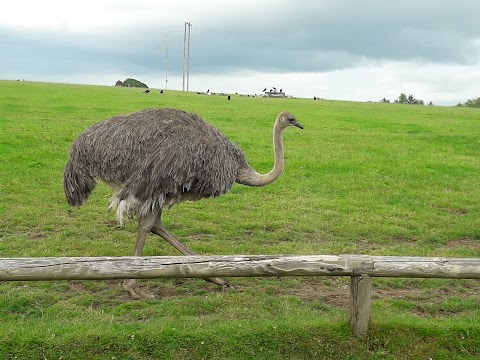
[(165, 39), (186, 55)]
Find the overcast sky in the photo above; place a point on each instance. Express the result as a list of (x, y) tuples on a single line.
[(335, 49)]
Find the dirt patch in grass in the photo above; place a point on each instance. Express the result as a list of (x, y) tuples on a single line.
[(463, 243), (111, 223), (336, 293), (35, 235), (458, 211), (198, 237), (332, 292)]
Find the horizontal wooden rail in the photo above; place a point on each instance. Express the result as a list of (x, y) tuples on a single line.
[(97, 268), (361, 269)]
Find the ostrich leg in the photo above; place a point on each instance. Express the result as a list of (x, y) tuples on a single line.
[(145, 224), (161, 231)]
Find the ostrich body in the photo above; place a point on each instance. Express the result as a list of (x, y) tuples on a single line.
[(159, 157)]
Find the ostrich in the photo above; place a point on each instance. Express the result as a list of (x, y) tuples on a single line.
[(156, 158)]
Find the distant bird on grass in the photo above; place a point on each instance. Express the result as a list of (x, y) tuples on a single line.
[(228, 97), (156, 158), (146, 91)]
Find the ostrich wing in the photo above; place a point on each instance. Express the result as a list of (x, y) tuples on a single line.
[(201, 163)]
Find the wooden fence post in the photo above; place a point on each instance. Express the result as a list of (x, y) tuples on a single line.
[(360, 302)]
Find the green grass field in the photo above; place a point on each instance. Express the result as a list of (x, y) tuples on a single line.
[(362, 178)]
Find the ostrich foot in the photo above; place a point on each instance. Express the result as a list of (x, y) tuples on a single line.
[(131, 286), (218, 281)]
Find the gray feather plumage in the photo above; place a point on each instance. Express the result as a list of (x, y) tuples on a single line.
[(153, 158)]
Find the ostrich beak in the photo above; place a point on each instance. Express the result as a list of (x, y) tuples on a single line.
[(297, 124)]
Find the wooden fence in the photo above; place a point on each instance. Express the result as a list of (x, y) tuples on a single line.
[(361, 269)]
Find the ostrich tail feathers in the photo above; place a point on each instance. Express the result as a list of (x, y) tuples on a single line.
[(77, 184)]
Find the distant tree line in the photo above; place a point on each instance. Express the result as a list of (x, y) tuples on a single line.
[(471, 103), (411, 100), (131, 83), (404, 99)]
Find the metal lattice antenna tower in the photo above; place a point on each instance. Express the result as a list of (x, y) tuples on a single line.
[(167, 69), (186, 55)]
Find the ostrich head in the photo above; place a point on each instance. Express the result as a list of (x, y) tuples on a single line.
[(285, 119), (249, 176)]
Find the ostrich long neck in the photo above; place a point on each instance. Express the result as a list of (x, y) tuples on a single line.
[(251, 178)]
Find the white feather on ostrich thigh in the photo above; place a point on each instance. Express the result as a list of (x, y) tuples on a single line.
[(132, 206)]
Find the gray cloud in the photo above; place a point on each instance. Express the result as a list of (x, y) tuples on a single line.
[(304, 36), (52, 54), (316, 38)]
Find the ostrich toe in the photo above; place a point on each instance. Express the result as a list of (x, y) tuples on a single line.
[(131, 286), (219, 282)]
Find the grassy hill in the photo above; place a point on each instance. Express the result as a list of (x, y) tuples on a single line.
[(363, 178)]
